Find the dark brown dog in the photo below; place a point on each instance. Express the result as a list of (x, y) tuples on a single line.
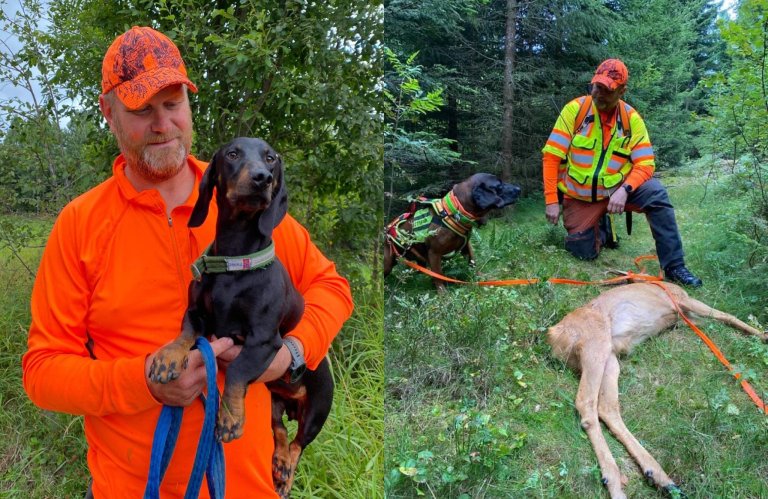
[(449, 229), (254, 307), (590, 338)]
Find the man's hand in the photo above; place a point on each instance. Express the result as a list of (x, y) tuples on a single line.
[(276, 368), (182, 391), (227, 356), (617, 201), (553, 213)]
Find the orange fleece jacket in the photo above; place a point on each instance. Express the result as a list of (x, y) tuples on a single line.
[(112, 288)]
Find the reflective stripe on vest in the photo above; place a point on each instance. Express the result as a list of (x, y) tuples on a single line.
[(591, 172)]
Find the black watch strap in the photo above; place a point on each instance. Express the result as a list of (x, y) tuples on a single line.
[(298, 365), (627, 188)]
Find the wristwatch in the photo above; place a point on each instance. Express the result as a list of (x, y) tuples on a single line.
[(298, 366), (627, 188)]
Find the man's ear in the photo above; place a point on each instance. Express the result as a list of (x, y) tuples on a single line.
[(106, 110)]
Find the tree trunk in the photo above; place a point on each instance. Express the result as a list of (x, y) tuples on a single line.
[(453, 123), (509, 91)]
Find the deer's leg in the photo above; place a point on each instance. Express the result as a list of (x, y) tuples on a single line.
[(595, 352), (608, 407), (694, 306)]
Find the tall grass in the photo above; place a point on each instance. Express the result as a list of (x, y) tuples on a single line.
[(42, 454), (476, 406)]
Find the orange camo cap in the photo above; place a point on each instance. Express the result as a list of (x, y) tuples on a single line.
[(140, 63), (612, 73)]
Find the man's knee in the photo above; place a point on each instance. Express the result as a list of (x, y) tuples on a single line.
[(651, 194), (583, 245)]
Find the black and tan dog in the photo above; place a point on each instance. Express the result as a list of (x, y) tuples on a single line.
[(591, 338), (443, 227), (255, 308)]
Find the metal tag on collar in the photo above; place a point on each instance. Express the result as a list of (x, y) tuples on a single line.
[(196, 273)]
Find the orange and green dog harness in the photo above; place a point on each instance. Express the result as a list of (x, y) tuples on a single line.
[(446, 211)]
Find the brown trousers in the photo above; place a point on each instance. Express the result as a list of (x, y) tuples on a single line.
[(582, 221)]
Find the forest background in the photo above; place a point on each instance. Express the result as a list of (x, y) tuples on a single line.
[(477, 84)]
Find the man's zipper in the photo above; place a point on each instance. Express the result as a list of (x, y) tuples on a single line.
[(600, 161), (179, 270)]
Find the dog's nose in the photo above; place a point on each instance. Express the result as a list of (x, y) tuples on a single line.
[(510, 190), (261, 179)]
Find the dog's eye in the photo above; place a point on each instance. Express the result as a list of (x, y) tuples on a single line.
[(270, 158), (232, 155)]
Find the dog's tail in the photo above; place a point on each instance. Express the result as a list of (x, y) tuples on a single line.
[(694, 306)]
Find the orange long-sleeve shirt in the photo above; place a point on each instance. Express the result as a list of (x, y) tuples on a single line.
[(112, 288)]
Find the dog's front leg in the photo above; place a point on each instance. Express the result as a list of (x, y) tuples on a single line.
[(250, 363), (469, 253), (173, 358), (436, 265)]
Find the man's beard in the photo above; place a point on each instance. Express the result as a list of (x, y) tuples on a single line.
[(151, 163)]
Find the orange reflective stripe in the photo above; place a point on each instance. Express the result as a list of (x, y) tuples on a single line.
[(624, 116), (584, 107)]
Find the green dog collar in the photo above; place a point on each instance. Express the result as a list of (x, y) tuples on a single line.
[(207, 264)]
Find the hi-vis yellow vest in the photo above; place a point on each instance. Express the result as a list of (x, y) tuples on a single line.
[(588, 171)]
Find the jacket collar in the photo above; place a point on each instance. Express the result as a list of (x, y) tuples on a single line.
[(151, 198)]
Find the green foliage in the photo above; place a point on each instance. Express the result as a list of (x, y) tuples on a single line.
[(667, 44), (409, 154), (300, 75), (482, 449), (740, 100), (42, 163), (662, 83)]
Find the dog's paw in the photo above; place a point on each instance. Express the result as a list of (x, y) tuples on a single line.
[(168, 364), (282, 476), (229, 426)]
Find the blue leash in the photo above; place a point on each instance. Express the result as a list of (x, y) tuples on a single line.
[(210, 454)]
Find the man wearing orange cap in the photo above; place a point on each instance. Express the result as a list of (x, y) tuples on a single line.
[(599, 159), (111, 290)]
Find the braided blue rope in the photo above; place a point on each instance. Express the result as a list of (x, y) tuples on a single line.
[(210, 453)]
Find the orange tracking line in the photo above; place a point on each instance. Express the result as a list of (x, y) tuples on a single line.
[(629, 276)]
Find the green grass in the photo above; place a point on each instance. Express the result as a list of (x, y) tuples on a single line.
[(475, 406), (42, 454)]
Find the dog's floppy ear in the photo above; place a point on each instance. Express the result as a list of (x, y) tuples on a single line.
[(278, 207), (490, 192), (207, 183)]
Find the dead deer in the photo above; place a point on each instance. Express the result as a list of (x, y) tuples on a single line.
[(590, 338)]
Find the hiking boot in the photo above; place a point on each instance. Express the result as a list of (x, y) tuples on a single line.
[(682, 275)]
